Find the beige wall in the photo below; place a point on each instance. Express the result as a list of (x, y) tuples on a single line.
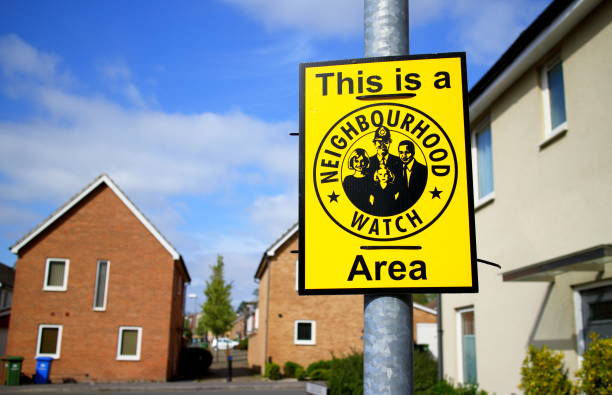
[(549, 201)]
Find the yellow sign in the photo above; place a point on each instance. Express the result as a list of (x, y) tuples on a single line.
[(386, 199)]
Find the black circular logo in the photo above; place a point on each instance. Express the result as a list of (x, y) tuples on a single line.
[(385, 171)]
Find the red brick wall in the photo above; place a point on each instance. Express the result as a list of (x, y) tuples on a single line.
[(140, 293), (177, 321), (339, 318)]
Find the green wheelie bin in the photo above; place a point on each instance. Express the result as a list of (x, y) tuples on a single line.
[(12, 366)]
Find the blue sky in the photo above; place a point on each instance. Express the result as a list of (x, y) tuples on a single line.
[(187, 105)]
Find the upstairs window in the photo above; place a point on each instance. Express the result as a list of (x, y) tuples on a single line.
[(6, 296), (56, 274), (101, 285), (482, 155), (554, 99)]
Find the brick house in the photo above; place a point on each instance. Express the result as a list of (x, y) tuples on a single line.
[(304, 329), (99, 289)]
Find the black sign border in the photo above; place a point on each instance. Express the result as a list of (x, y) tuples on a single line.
[(302, 290)]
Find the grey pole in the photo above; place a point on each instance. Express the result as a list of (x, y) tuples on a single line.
[(386, 27), (387, 318)]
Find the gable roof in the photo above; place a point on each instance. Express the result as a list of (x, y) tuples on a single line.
[(101, 179), (424, 308), (271, 251), (540, 37)]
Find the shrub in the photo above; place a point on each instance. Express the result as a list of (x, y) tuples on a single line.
[(543, 372), (290, 369), (346, 375), (595, 375), (445, 388), (317, 365), (300, 373), (319, 374), (425, 371), (272, 371)]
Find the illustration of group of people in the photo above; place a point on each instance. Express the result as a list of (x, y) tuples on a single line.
[(384, 184)]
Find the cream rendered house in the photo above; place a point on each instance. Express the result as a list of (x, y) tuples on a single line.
[(542, 151)]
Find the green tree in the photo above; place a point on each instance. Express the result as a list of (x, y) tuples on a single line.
[(200, 328), (423, 298), (218, 314), (187, 330)]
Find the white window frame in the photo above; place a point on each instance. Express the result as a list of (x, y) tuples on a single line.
[(578, 314), (138, 344), (108, 264), (63, 287), (480, 201), (549, 132), (58, 348), (313, 331), (459, 339)]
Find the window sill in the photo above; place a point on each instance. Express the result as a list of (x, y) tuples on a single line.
[(305, 344), (555, 135), (54, 356), (55, 289), (128, 359), (484, 201)]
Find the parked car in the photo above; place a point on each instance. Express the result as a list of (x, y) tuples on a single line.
[(223, 343)]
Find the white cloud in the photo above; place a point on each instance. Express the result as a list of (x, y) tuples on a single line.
[(275, 214), (183, 153), (19, 57), (342, 18), (119, 76)]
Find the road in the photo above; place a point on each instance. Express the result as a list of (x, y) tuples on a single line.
[(200, 392)]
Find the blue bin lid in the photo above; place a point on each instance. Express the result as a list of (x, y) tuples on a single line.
[(44, 359)]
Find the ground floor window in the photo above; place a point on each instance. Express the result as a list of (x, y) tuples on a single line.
[(49, 341), (128, 347), (594, 313), (305, 332), (466, 342)]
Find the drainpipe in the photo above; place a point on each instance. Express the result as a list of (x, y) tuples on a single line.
[(440, 342)]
